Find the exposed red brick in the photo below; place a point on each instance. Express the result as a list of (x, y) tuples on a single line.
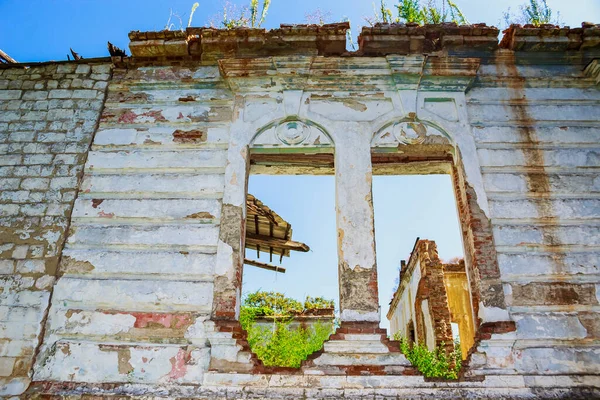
[(192, 136), (487, 329), (96, 202)]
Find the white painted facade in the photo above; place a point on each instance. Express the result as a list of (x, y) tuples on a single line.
[(151, 263)]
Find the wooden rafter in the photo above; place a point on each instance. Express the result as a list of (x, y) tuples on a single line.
[(264, 266), (266, 231), (263, 240), (5, 58), (286, 236)]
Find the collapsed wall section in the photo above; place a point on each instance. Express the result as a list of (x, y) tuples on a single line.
[(48, 114)]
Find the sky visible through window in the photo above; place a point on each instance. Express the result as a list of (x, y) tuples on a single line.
[(406, 207)]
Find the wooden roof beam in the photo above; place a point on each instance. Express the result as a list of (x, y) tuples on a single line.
[(6, 58), (267, 241), (264, 266)]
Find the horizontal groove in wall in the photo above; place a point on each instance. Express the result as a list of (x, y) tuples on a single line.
[(547, 249), (551, 278), (545, 221), (551, 343), (512, 169), (205, 249), (118, 222), (132, 221), (149, 85), (150, 195), (139, 171), (536, 146), (540, 196), (123, 251), (136, 150), (119, 85), (76, 339), (533, 309), (87, 306), (536, 123), (159, 104), (203, 124), (557, 82), (160, 147), (532, 102), (152, 341), (124, 276)]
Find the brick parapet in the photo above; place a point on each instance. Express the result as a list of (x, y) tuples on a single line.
[(551, 38), (210, 44), (384, 39)]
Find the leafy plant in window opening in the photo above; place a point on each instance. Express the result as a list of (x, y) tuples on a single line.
[(280, 344)]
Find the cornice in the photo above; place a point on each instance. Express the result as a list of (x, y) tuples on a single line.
[(362, 74)]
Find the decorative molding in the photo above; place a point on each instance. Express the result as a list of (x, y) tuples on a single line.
[(292, 100), (442, 107), (352, 74), (291, 132), (410, 131), (433, 73)]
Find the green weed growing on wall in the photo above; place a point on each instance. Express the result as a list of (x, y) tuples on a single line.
[(420, 12), (432, 364), (252, 16), (534, 12), (280, 344)]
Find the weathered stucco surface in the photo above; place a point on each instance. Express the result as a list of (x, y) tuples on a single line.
[(149, 280), (48, 115)]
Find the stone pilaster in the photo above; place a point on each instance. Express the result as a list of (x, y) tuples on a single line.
[(355, 226)]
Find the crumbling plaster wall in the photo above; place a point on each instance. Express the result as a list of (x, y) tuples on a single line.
[(146, 250), (156, 235), (538, 143), (48, 115), (138, 267), (151, 271), (403, 311), (422, 302)]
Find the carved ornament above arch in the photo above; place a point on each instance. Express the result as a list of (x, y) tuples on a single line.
[(410, 131), (292, 132)]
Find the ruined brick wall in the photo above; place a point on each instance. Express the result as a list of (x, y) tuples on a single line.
[(402, 313), (48, 115), (422, 299)]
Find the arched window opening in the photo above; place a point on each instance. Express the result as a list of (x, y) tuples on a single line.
[(289, 284), (415, 195)]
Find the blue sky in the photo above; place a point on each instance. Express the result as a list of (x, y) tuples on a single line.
[(41, 30), (405, 207)]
